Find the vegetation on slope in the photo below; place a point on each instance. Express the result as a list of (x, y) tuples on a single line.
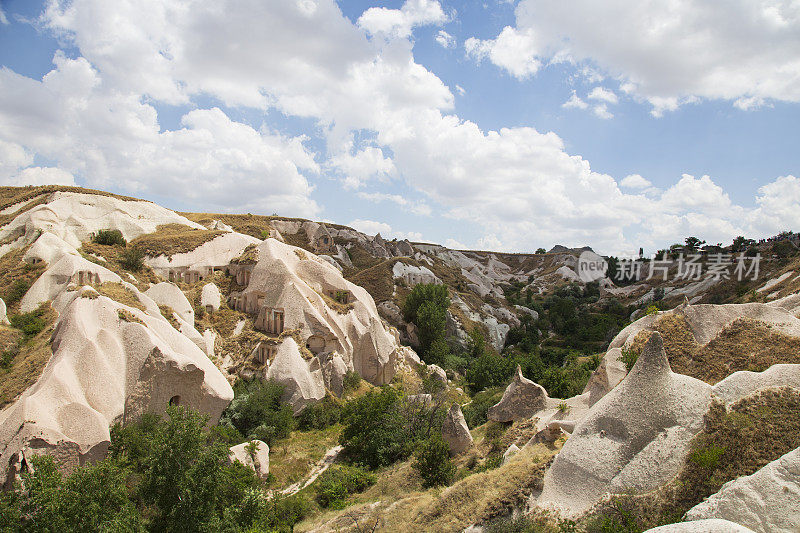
[(744, 344), (171, 239)]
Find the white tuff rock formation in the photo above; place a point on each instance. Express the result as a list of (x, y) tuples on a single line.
[(767, 501), (455, 430), (210, 297), (303, 381), (110, 363), (258, 460), (634, 438), (521, 399)]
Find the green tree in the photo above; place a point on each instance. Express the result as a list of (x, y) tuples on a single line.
[(693, 244), (258, 412), (432, 462), (426, 307)]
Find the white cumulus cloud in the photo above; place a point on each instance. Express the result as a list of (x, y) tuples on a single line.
[(400, 22), (668, 53)]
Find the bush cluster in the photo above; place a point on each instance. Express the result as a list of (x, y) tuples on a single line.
[(109, 237), (257, 412), (382, 427), (340, 481), (161, 475)]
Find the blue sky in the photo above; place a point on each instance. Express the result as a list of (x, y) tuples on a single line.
[(442, 121)]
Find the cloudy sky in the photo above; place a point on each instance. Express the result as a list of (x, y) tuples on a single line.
[(502, 124)]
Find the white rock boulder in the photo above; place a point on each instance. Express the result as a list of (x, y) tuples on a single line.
[(210, 297), (521, 399), (713, 525), (111, 363), (170, 295), (3, 313), (69, 271), (455, 430), (253, 454), (303, 384), (300, 287)]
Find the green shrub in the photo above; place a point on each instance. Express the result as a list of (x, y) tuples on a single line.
[(382, 427), (426, 307), (132, 259), (258, 412), (321, 414), (91, 498), (109, 237), (707, 457), (31, 324), (340, 481), (432, 462), (629, 358), (351, 381), (476, 412), (488, 370), (374, 431), (7, 357), (17, 291)]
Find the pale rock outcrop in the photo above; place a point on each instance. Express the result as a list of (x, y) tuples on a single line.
[(105, 369), (414, 275), (706, 321), (215, 254), (304, 382), (455, 430), (293, 281), (521, 399), (74, 217), (333, 371), (744, 383), (568, 274), (776, 281), (3, 313), (48, 248), (713, 525), (790, 303), (634, 438), (510, 452), (210, 297), (170, 295), (767, 501), (606, 376), (258, 460), (528, 311), (438, 373), (69, 270)]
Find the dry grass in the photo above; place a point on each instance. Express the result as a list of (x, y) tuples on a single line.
[(127, 316), (27, 365), (171, 239), (291, 459), (744, 344), (299, 239), (397, 502), (121, 294), (112, 257), (16, 277), (377, 280), (169, 313), (249, 256), (248, 224), (337, 306)]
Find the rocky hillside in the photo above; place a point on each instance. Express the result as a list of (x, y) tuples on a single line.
[(618, 404)]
